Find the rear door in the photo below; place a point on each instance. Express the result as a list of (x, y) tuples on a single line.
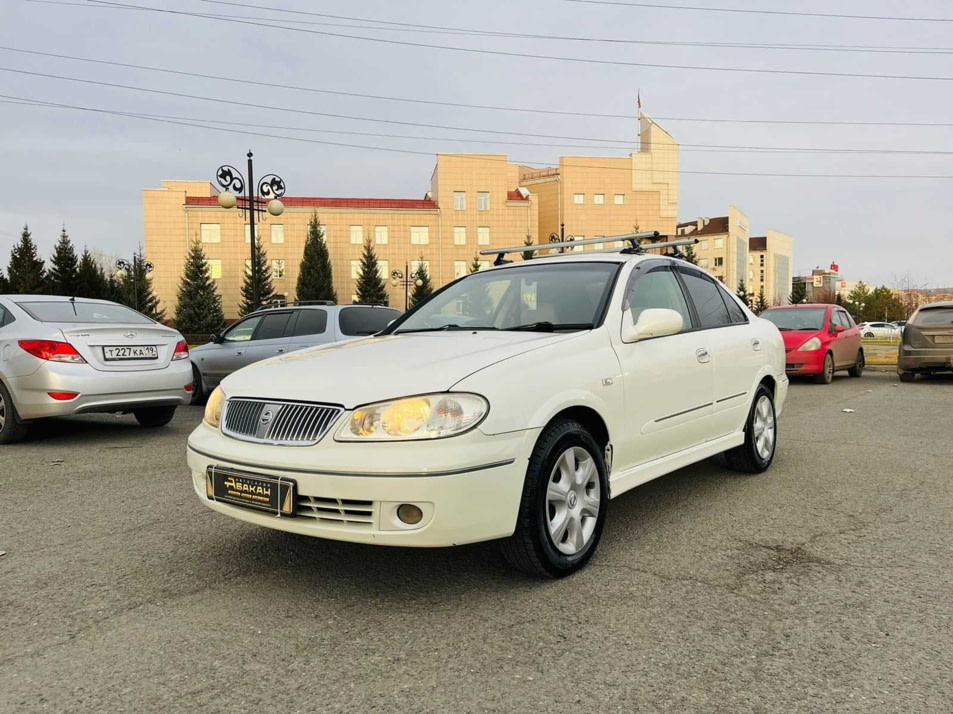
[(310, 329), (845, 344)]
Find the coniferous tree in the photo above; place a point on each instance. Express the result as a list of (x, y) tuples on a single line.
[(63, 277), (371, 289), (475, 265), (315, 278), (528, 254), (742, 293), (423, 288), (198, 310), (689, 256), (25, 272), (112, 287), (761, 304), (136, 289), (266, 291), (90, 280), (798, 293), (478, 303), (4, 285)]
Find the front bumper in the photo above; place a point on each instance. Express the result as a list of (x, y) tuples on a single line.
[(98, 391), (804, 363), (469, 487)]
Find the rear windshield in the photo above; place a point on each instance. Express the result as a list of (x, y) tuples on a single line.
[(935, 317), (366, 320), (79, 311), (806, 319)]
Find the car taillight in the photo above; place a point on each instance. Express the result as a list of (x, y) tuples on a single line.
[(52, 351), (63, 396), (181, 350)]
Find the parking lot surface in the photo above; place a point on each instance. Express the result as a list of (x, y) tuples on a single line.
[(823, 585)]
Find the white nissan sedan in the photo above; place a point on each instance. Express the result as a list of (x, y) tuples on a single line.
[(512, 405)]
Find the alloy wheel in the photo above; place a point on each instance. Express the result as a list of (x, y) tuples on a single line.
[(3, 412), (573, 501), (829, 367), (765, 430)]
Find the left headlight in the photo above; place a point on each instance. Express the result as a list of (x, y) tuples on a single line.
[(812, 344), (214, 408), (429, 416)]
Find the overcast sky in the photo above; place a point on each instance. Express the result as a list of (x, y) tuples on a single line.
[(87, 169)]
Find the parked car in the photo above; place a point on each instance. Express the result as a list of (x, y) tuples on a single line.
[(884, 330), (61, 356), (927, 343), (272, 331), (819, 340), (512, 404)]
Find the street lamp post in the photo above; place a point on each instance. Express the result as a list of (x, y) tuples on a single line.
[(407, 278), (249, 200), (128, 268)]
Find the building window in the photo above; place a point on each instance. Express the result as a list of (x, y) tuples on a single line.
[(750, 260), (619, 199), (419, 235), (579, 198), (459, 235), (483, 235), (598, 246), (211, 232), (247, 266), (415, 265), (750, 276), (762, 276), (277, 269), (578, 248), (380, 235), (703, 245), (599, 199), (277, 233), (484, 264), (703, 263), (762, 261), (719, 262), (459, 268), (383, 269), (483, 200), (214, 268), (355, 269), (459, 201), (248, 233), (719, 243), (357, 235)]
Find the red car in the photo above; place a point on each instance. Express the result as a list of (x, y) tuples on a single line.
[(819, 340)]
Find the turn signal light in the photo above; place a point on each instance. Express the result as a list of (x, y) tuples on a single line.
[(52, 351), (63, 396), (181, 350)]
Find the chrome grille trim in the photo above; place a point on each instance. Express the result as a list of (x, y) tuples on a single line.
[(342, 512), (291, 423)]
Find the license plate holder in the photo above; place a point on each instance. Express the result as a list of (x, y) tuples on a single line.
[(270, 494), (943, 339), (119, 353)]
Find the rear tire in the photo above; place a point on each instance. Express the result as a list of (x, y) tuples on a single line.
[(154, 416), (827, 373), (11, 430), (563, 507), (907, 376), (761, 436), (858, 368)]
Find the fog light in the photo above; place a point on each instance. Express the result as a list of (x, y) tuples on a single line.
[(63, 396), (409, 513)]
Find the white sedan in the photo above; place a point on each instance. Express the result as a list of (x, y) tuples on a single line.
[(512, 404), (879, 329)]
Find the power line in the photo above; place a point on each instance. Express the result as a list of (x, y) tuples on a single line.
[(786, 13), (556, 58)]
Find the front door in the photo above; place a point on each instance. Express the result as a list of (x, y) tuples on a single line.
[(219, 361)]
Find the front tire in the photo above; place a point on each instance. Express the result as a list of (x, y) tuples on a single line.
[(11, 430), (858, 368), (827, 373), (563, 507), (154, 416), (198, 394), (761, 436)]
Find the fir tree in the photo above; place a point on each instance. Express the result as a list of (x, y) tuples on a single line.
[(25, 272), (371, 289), (266, 292), (198, 310), (742, 293), (315, 278), (112, 287), (761, 304), (90, 279), (798, 293), (528, 254), (423, 288), (475, 265), (478, 303), (689, 256), (63, 277), (136, 289), (4, 284)]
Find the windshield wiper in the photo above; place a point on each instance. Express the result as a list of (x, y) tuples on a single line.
[(445, 328), (547, 326)]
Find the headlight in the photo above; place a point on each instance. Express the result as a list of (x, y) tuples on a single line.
[(431, 416), (812, 344), (214, 408)]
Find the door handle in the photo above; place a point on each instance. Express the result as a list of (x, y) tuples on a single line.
[(239, 353), (756, 344), (702, 355), (280, 349)]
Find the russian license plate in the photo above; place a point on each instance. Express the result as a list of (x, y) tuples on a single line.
[(943, 339), (138, 352), (263, 493)]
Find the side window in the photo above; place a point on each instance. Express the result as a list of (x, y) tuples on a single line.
[(656, 288), (273, 326), (735, 312), (711, 309), (843, 318), (311, 322), (365, 320), (3, 316), (242, 331)]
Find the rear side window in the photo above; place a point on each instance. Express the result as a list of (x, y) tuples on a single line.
[(79, 311), (365, 320), (311, 322), (935, 317), (3, 316), (273, 326), (735, 312), (711, 309)]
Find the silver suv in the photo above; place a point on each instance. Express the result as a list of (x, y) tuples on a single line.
[(271, 331)]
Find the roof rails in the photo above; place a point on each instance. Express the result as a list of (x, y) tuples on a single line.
[(297, 303), (633, 239)]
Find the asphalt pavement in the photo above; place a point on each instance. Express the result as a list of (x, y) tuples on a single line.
[(822, 586)]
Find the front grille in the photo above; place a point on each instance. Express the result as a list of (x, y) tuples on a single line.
[(288, 423), (338, 511)]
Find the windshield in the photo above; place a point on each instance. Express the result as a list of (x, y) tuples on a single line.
[(79, 311), (809, 319), (557, 296)]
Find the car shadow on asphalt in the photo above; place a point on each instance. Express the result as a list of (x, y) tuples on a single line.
[(110, 430)]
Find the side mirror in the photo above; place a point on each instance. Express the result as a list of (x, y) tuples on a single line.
[(653, 322), (839, 329), (216, 338)]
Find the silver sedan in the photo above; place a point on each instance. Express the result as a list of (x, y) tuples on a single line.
[(61, 356)]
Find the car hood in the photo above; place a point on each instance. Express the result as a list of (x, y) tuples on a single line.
[(795, 338), (379, 368)]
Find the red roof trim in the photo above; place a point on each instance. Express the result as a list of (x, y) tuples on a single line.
[(320, 202), (515, 196)]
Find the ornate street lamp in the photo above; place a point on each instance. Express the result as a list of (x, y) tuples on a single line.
[(397, 277), (271, 188)]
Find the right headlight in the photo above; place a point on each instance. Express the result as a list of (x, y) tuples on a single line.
[(214, 408), (429, 416), (812, 344)]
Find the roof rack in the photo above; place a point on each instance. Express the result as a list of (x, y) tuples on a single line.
[(636, 247), (296, 303)]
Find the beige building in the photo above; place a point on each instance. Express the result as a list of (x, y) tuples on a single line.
[(722, 247), (475, 201), (770, 258)]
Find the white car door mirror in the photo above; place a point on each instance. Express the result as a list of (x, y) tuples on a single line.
[(653, 322)]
